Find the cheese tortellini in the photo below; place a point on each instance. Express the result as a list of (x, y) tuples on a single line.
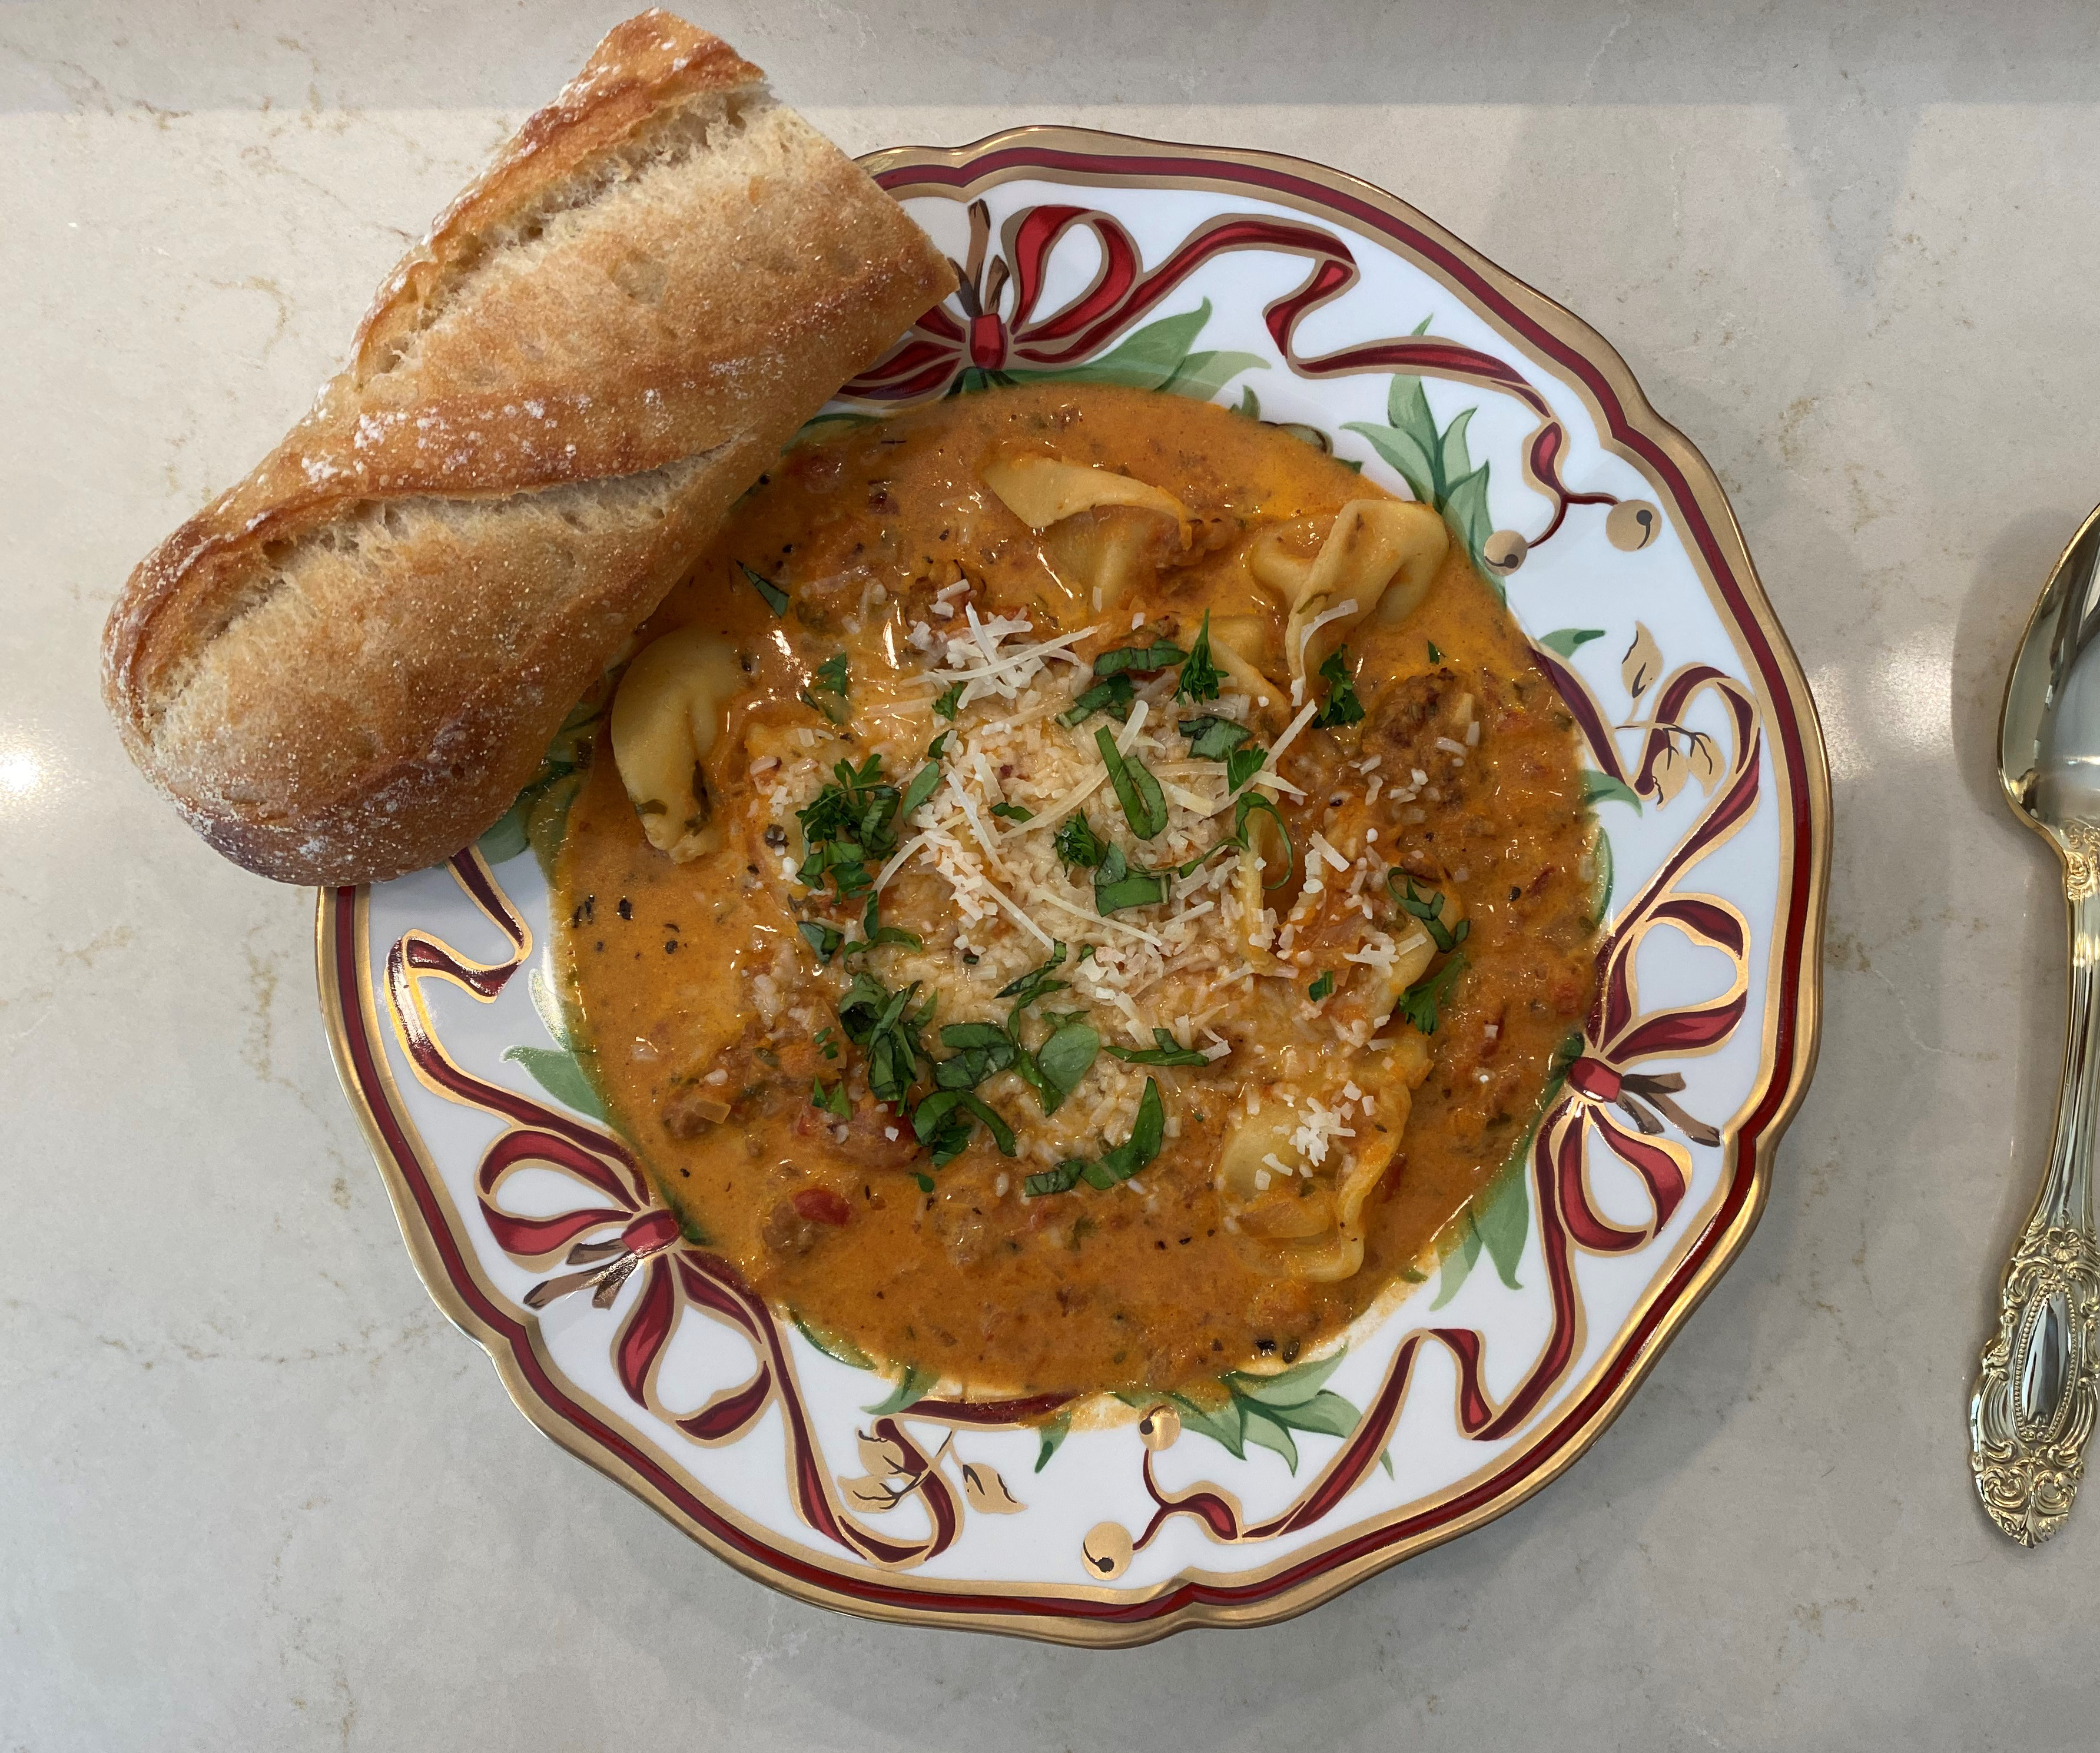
[(1380, 555), (1098, 527), (665, 718), (1293, 1219)]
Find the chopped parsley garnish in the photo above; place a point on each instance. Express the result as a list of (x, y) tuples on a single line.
[(1115, 696), (1118, 886), (1112, 1166), (1419, 1003), (851, 821), (1343, 707), (1200, 676), (831, 1101), (951, 701), (824, 939), (1165, 1051), (776, 599), (1013, 812), (1078, 844), (1143, 803), (1212, 739), (827, 692), (1139, 660), (1323, 987), (1429, 908)]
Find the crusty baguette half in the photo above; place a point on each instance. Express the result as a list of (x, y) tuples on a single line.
[(345, 668)]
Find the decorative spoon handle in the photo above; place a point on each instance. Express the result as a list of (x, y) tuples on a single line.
[(2036, 1397)]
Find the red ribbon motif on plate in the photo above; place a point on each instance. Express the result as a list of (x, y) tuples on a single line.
[(1018, 340)]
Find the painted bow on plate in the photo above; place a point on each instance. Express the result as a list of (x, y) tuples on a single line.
[(1000, 334)]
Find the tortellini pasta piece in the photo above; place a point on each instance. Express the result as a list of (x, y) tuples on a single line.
[(1098, 527), (1290, 1219), (665, 718), (1380, 555)]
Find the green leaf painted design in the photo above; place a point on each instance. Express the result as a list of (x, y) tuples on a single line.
[(1158, 356), (1604, 873), (1452, 463), (538, 816), (1504, 1219), (910, 1388), (1291, 1386), (1602, 788), (1438, 467), (1263, 1411), (837, 1349), (1563, 640), (1458, 1263), (1053, 1439), (1264, 1429), (1404, 454), (557, 1071)]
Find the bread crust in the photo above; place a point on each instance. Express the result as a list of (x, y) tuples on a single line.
[(344, 667)]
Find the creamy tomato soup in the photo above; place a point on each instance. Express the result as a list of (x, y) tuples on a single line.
[(1077, 891)]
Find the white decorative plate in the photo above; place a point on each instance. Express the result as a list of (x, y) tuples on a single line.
[(1313, 300)]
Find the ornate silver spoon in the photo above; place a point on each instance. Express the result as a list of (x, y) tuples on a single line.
[(2039, 1390)]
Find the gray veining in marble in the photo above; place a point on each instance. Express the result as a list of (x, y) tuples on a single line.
[(255, 1492)]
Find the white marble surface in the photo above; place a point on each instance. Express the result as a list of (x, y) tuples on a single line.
[(254, 1492)]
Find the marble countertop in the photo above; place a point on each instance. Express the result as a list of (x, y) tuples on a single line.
[(254, 1491)]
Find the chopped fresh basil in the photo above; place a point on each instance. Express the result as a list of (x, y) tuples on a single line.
[(1429, 908), (1249, 803), (1242, 765), (1143, 803), (1212, 739), (1117, 886), (934, 749), (1435, 655), (1200, 676), (1062, 1179), (1078, 844), (1146, 1134), (1013, 812), (981, 1049), (1165, 1050), (942, 1123), (951, 701), (831, 1101), (776, 599), (922, 785), (876, 1020), (824, 939), (1323, 987), (1115, 696), (1139, 660), (1065, 1057), (1028, 987)]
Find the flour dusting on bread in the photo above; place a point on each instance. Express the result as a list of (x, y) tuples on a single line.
[(344, 667)]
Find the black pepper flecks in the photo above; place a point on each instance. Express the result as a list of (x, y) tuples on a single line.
[(626, 909)]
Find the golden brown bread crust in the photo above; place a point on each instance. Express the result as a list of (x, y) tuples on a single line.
[(345, 668)]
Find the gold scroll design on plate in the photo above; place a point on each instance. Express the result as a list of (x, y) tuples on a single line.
[(1604, 1100), (622, 1230)]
